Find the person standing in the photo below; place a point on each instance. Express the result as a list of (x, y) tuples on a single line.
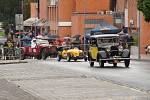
[(33, 46)]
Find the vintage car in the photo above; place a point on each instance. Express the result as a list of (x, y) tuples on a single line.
[(41, 51), (70, 54), (107, 48)]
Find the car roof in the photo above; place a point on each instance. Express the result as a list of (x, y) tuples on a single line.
[(105, 35)]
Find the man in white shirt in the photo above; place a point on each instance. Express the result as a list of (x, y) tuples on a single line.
[(33, 45)]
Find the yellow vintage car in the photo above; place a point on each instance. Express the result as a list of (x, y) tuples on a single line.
[(70, 54)]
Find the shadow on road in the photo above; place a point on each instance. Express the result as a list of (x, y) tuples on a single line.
[(111, 67)]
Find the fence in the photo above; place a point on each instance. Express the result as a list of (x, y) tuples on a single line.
[(9, 53)]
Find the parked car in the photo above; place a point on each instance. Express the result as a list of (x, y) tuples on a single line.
[(106, 48), (69, 54)]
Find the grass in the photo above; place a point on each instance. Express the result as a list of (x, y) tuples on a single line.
[(1, 33)]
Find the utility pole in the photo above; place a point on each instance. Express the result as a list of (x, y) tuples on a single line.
[(84, 44), (138, 31)]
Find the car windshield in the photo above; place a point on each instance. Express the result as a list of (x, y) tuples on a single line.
[(108, 41), (26, 43)]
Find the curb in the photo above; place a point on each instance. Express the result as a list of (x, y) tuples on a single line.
[(12, 62)]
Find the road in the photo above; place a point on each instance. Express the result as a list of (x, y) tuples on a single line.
[(52, 80), (137, 76)]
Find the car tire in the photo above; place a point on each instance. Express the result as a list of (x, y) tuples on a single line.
[(90, 60), (39, 57), (58, 57), (43, 54), (75, 59), (127, 63), (85, 58), (114, 64), (91, 64), (68, 57), (101, 63)]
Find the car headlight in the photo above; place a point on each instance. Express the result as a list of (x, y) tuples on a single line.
[(120, 48), (108, 49)]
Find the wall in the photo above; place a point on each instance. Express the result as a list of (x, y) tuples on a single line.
[(33, 10), (145, 34), (43, 9), (65, 9), (78, 22), (92, 5)]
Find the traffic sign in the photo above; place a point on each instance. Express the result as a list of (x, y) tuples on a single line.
[(19, 21)]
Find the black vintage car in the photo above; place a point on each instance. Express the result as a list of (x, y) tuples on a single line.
[(106, 48)]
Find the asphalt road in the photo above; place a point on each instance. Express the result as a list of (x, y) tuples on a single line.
[(52, 80), (137, 76)]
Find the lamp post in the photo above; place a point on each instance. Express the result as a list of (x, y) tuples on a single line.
[(84, 26)]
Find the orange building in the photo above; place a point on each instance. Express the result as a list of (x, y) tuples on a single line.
[(69, 17)]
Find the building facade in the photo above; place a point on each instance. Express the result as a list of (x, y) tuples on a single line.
[(69, 17)]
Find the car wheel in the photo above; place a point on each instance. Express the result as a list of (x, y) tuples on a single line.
[(44, 54), (75, 59), (91, 64), (58, 57), (39, 57), (115, 64), (85, 58), (101, 63), (68, 57), (127, 63)]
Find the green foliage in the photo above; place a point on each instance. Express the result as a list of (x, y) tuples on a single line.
[(1, 33), (8, 9), (144, 6), (135, 38)]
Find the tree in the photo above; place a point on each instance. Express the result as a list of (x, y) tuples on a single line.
[(144, 6), (8, 9)]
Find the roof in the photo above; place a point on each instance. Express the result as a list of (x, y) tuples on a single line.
[(105, 27), (42, 22), (36, 21), (105, 35), (30, 22)]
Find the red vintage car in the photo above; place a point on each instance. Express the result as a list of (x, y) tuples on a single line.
[(41, 51)]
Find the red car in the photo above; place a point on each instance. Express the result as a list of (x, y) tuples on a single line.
[(41, 51)]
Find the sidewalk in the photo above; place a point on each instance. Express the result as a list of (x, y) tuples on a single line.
[(135, 56), (2, 62), (143, 57)]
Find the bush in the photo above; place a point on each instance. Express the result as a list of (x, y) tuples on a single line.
[(135, 38), (2, 33)]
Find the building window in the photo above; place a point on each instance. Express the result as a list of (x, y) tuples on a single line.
[(53, 2), (113, 4), (93, 21)]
